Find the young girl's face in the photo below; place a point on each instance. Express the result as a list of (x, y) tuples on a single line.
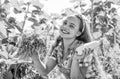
[(70, 28)]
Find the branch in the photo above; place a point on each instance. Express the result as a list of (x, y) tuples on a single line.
[(92, 18), (25, 17), (9, 25), (2, 35)]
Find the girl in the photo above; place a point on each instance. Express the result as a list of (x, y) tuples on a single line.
[(73, 33)]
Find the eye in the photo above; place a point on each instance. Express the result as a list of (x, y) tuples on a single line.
[(71, 26), (65, 23)]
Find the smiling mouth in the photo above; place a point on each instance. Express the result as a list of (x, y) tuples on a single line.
[(64, 31)]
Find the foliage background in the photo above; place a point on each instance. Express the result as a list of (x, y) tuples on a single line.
[(102, 15)]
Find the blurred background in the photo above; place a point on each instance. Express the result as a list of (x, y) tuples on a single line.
[(25, 19)]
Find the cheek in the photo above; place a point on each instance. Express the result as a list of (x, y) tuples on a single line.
[(62, 27), (10, 47), (74, 32), (59, 31)]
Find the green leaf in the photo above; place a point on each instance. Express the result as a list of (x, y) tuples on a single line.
[(32, 20), (112, 10), (4, 53), (36, 12), (37, 3), (103, 19), (1, 10), (114, 20), (18, 28), (108, 4), (87, 12), (97, 3), (117, 2), (16, 11), (74, 1), (15, 4), (11, 20), (98, 8), (6, 1), (76, 6), (83, 5), (2, 35), (3, 15), (37, 7), (43, 20)]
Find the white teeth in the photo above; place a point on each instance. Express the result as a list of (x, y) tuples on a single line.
[(65, 32)]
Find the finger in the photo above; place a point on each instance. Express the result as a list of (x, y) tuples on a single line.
[(35, 53), (88, 51), (4, 75), (79, 56), (85, 51)]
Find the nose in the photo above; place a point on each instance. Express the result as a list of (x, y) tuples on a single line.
[(65, 26)]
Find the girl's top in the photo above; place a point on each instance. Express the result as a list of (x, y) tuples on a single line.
[(64, 65)]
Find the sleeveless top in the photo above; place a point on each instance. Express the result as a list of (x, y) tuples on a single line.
[(64, 65)]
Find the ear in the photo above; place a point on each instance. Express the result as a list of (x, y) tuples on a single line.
[(78, 34)]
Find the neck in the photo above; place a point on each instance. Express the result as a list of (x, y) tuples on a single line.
[(68, 43)]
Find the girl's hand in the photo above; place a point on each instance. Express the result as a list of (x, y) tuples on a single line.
[(77, 57), (36, 51), (34, 55), (84, 53), (75, 69), (7, 75)]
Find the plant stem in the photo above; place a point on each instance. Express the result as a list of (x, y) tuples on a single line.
[(92, 18), (25, 16), (114, 34), (2, 35)]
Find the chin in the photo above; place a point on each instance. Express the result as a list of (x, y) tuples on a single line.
[(66, 37), (63, 36)]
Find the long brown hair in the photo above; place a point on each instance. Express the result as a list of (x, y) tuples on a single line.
[(85, 30)]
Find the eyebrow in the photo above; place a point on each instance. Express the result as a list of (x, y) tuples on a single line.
[(70, 23), (73, 24)]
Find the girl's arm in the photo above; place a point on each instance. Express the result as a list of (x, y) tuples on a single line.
[(7, 75), (43, 69), (77, 72)]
